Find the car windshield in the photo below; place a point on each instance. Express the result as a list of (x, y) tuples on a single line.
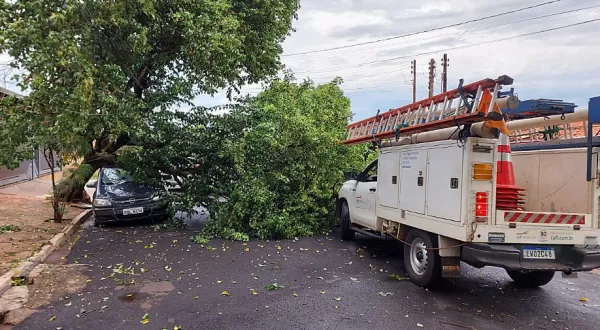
[(115, 176)]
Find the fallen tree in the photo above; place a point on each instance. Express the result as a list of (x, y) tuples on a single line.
[(269, 168)]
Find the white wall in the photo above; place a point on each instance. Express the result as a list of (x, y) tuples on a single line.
[(555, 181)]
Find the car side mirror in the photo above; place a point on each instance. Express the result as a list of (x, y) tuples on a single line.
[(91, 184)]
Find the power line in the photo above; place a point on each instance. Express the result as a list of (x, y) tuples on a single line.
[(423, 31), (460, 47), (300, 60)]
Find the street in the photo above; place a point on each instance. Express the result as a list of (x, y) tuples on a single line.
[(322, 283)]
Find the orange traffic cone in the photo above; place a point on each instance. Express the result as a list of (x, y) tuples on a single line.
[(508, 195)]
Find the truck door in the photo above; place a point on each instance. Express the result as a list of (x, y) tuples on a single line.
[(365, 197)]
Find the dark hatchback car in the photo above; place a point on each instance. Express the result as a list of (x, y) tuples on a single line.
[(119, 198)]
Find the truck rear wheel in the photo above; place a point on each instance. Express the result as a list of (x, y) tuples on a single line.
[(347, 234), (532, 279), (422, 264)]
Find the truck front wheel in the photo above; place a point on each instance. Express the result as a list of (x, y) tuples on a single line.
[(421, 260), (532, 279), (347, 233)]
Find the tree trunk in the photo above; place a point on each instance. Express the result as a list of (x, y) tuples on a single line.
[(71, 186), (58, 213), (55, 202)]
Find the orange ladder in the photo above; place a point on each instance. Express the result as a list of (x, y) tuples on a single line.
[(475, 104)]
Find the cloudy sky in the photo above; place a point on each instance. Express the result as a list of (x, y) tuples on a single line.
[(560, 64)]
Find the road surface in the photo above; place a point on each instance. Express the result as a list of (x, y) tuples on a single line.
[(322, 283)]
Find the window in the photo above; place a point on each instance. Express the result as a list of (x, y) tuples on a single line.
[(115, 176), (370, 174)]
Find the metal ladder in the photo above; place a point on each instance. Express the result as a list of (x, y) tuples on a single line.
[(473, 103)]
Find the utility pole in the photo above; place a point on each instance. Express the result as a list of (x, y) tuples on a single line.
[(445, 66), (431, 76), (413, 70)]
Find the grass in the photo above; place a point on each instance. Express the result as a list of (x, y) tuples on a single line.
[(8, 229)]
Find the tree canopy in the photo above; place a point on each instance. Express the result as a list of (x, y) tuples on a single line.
[(99, 71)]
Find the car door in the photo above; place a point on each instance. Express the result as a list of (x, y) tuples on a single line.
[(365, 197)]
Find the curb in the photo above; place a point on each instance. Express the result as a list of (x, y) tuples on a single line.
[(23, 270)]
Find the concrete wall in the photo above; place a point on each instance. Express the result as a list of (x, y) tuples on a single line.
[(23, 172), (28, 170), (556, 181)]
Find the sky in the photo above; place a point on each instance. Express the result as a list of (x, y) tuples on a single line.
[(560, 64)]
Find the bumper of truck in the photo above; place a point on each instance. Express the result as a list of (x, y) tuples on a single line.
[(510, 257)]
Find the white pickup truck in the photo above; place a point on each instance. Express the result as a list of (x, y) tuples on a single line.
[(438, 199)]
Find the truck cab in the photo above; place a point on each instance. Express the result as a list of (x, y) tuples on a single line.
[(361, 196)]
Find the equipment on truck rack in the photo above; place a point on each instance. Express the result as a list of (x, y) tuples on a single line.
[(539, 108), (476, 102)]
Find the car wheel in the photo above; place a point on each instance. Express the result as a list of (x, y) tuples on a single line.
[(347, 233), (532, 279), (422, 264)]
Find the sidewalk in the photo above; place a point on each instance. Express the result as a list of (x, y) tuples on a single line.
[(39, 187)]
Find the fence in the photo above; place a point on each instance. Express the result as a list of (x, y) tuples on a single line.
[(28, 170)]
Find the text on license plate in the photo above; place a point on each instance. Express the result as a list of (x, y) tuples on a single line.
[(538, 252), (135, 210)]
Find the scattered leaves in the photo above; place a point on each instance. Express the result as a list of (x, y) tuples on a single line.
[(381, 293), (583, 299), (167, 268), (145, 319), (273, 287), (52, 318), (322, 292), (397, 277), (225, 293), (419, 325), (295, 294), (337, 298), (254, 292)]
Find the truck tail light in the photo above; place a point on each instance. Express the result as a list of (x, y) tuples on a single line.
[(481, 206)]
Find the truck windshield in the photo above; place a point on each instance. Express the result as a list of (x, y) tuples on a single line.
[(115, 176)]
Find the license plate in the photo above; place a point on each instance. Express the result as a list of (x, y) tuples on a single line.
[(538, 252), (135, 210)]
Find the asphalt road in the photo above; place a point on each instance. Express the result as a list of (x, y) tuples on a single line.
[(325, 283)]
